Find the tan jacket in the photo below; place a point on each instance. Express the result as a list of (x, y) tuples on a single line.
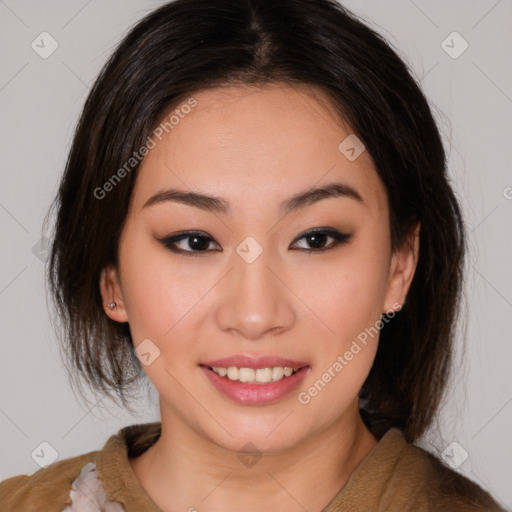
[(395, 476)]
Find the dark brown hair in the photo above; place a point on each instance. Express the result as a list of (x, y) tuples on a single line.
[(191, 45)]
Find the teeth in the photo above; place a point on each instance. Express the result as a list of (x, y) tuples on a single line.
[(277, 373), (246, 375), (232, 373), (250, 375), (263, 374)]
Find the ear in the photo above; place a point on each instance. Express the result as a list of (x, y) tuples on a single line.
[(401, 272), (110, 290)]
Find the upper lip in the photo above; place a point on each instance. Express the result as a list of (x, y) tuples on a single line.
[(242, 361)]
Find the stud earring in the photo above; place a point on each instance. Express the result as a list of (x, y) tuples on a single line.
[(112, 305)]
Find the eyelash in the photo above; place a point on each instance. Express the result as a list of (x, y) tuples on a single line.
[(339, 238)]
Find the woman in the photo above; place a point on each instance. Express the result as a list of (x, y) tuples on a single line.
[(255, 214)]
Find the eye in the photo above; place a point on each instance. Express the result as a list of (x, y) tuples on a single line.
[(195, 242), (317, 238)]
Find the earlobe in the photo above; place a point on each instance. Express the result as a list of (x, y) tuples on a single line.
[(403, 267), (112, 298)]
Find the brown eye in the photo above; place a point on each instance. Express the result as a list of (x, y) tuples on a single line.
[(191, 242), (317, 239)]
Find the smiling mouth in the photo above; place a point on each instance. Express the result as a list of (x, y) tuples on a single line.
[(255, 375)]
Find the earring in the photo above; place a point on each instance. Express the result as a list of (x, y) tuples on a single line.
[(112, 305)]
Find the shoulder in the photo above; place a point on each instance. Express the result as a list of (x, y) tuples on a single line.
[(103, 477), (47, 489), (433, 485)]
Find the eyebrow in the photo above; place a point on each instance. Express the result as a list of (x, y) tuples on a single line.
[(219, 205)]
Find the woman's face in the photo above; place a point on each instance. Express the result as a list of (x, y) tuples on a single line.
[(252, 282)]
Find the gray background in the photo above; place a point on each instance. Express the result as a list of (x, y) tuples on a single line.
[(40, 100)]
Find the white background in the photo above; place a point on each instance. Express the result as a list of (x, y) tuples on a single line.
[(40, 100)]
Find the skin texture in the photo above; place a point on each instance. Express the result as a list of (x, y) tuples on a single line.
[(256, 147)]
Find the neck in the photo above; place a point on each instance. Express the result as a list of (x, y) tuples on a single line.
[(187, 471)]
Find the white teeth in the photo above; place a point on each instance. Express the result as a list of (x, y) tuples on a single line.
[(232, 373), (246, 375), (263, 374), (277, 373), (251, 375)]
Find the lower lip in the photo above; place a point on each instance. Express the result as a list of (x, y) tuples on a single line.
[(255, 394)]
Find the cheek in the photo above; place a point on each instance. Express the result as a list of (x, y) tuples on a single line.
[(156, 293), (349, 308), (346, 299), (167, 299), (162, 300), (345, 294)]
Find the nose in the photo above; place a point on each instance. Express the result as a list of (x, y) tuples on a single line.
[(256, 300)]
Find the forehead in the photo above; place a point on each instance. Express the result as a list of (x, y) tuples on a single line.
[(249, 144)]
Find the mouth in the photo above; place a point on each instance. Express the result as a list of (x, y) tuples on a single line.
[(255, 381), (255, 375)]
